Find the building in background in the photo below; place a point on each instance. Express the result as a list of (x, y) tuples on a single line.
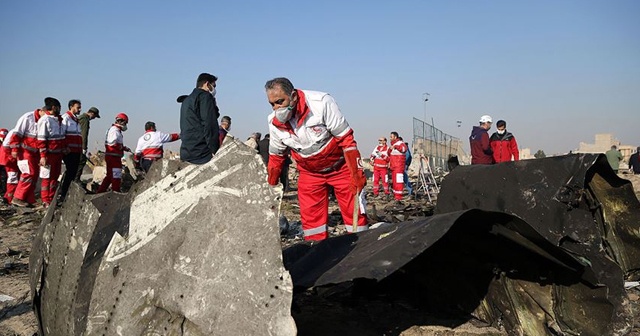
[(603, 143)]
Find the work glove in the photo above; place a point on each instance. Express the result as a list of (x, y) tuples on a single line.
[(358, 180)]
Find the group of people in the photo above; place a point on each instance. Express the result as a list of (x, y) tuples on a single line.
[(44, 139), (306, 126), (36, 147), (501, 146), (396, 158), (614, 157)]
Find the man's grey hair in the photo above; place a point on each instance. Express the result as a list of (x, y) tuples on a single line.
[(281, 82)]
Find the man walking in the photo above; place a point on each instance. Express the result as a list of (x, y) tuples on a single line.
[(114, 151), (150, 145), (10, 164), (397, 160), (503, 144), (614, 157), (52, 146), (634, 161), (73, 137), (380, 160), (84, 120), (199, 122), (24, 148), (480, 144), (309, 125)]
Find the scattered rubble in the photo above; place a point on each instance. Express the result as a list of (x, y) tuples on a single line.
[(441, 279)]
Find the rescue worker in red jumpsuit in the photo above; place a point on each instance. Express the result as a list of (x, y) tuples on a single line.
[(53, 146), (397, 158), (10, 164), (114, 151), (3, 172), (380, 159), (24, 148), (309, 125), (149, 148)]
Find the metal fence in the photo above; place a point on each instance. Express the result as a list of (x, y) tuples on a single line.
[(434, 144)]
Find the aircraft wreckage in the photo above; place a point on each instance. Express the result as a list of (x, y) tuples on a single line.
[(538, 247)]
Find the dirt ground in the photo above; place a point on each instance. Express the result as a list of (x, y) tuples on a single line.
[(18, 228)]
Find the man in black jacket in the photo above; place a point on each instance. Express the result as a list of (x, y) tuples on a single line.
[(199, 122)]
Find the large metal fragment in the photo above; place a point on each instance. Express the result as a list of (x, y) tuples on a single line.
[(192, 250), (492, 266), (554, 265), (574, 201)]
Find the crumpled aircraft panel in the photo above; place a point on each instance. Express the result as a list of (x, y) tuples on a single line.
[(192, 250)]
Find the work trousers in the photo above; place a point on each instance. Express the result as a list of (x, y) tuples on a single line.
[(379, 174), (3, 179), (398, 183), (71, 162), (313, 197), (407, 183), (82, 161), (146, 164), (13, 176), (48, 185), (114, 174), (25, 190)]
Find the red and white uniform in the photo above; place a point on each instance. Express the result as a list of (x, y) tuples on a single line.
[(52, 145), (397, 159), (150, 145), (318, 135), (73, 133), (10, 166), (114, 151), (380, 159), (25, 143)]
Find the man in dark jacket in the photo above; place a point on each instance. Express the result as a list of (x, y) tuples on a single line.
[(84, 121), (503, 144), (199, 122), (634, 161), (479, 141), (263, 148)]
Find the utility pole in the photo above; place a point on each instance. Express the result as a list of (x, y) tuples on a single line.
[(425, 98)]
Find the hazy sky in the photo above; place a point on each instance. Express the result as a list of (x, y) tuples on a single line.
[(557, 71)]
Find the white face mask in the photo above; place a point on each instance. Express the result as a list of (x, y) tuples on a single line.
[(283, 114), (213, 91), (501, 132)]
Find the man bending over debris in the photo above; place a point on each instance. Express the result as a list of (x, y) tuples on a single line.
[(310, 125)]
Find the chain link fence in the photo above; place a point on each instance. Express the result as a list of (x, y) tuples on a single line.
[(435, 145)]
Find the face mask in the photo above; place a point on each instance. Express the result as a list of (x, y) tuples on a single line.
[(123, 128), (213, 93), (501, 132), (283, 114)]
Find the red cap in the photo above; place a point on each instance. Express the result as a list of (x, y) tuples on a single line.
[(122, 116)]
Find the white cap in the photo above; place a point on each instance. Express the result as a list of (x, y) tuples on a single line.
[(486, 119)]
